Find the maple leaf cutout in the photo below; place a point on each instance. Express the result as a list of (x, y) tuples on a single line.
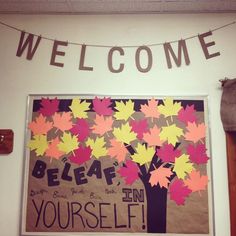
[(168, 153), (129, 172), (81, 155), (195, 132), (196, 182), (183, 166), (39, 144), (102, 125), (98, 147), (197, 154), (124, 134), (179, 192), (52, 150), (68, 143), (188, 114), (143, 155), (124, 110), (139, 127), (81, 129), (170, 108), (101, 106), (62, 121), (152, 138), (160, 176), (117, 150), (48, 106), (40, 125), (171, 134), (151, 109), (79, 108)]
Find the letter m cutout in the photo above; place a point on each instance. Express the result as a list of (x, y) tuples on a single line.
[(27, 43)]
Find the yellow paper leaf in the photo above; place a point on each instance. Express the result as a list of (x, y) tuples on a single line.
[(183, 166), (97, 146), (69, 143), (169, 108), (124, 134), (171, 134), (143, 155), (39, 144), (79, 108), (125, 110)]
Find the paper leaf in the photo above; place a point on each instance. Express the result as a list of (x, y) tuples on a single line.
[(124, 134), (81, 129), (98, 147), (49, 106), (179, 192), (160, 176), (101, 106), (143, 155), (195, 132), (196, 182), (152, 138), (68, 143), (151, 110), (117, 150), (102, 125), (183, 166), (79, 108), (171, 134), (187, 115), (197, 154), (129, 172), (125, 110), (52, 150), (168, 153), (40, 125), (81, 155), (139, 127), (39, 144), (62, 121), (170, 108)]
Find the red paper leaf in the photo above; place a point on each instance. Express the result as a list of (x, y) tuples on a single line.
[(197, 154), (81, 155), (81, 129), (179, 192), (187, 115), (129, 172), (139, 127), (49, 106), (101, 106), (168, 153)]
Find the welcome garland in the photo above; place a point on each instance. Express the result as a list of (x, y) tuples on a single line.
[(29, 43)]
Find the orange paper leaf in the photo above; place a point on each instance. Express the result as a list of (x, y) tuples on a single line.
[(196, 182), (195, 132), (102, 125), (153, 137), (53, 150), (62, 121), (117, 150), (151, 110), (40, 125)]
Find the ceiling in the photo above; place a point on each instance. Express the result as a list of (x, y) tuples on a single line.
[(115, 6)]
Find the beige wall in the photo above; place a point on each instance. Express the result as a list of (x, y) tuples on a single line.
[(20, 77)]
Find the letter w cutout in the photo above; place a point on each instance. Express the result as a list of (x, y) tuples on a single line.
[(28, 42)]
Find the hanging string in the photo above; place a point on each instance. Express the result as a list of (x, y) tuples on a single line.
[(110, 46)]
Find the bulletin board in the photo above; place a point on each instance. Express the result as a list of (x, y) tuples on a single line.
[(117, 164)]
